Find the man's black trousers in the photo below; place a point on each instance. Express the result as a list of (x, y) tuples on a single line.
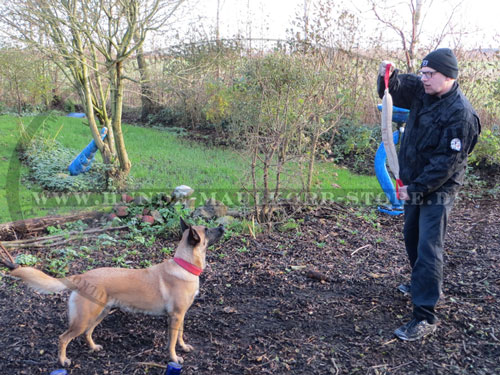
[(424, 232)]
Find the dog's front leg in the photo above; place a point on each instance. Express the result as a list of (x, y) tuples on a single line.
[(185, 347), (175, 333)]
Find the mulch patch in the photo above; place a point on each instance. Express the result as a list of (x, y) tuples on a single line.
[(319, 299)]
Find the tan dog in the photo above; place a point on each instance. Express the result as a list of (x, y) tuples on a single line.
[(168, 287)]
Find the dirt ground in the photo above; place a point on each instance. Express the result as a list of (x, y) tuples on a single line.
[(263, 308)]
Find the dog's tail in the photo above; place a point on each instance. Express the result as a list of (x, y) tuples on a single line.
[(6, 259), (39, 281), (36, 279)]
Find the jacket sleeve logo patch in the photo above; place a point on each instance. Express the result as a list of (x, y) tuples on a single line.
[(456, 144)]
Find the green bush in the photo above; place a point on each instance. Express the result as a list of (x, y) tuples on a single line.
[(218, 107), (167, 117), (354, 146), (486, 155), (69, 106)]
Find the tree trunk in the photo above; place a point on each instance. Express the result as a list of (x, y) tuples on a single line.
[(121, 151), (147, 105), (310, 170), (415, 34), (107, 157)]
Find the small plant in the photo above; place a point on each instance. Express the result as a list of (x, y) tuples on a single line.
[(146, 263), (76, 226), (86, 249), (151, 241), (27, 260), (370, 217), (243, 226), (140, 239), (54, 230), (167, 250), (290, 225), (121, 261), (58, 267), (105, 240), (243, 249)]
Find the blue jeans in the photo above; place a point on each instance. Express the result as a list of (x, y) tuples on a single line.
[(424, 232)]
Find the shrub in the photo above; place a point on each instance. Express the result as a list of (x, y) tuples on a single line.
[(217, 108), (167, 117), (354, 146), (486, 155)]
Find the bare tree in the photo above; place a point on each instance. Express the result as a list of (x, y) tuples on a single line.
[(410, 32), (90, 42), (280, 110)]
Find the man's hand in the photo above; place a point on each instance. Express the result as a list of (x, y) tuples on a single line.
[(383, 64), (403, 193)]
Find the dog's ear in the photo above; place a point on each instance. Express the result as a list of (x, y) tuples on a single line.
[(193, 237), (184, 226)]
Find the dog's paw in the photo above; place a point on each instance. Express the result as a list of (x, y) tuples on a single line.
[(65, 362), (187, 348), (178, 359), (96, 348)]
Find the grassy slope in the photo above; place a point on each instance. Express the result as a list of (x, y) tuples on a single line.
[(16, 198), (160, 162)]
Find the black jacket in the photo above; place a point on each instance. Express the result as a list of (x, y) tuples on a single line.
[(439, 135)]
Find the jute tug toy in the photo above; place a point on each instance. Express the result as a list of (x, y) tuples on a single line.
[(387, 135), (386, 152)]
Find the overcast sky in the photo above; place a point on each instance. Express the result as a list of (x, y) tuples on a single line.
[(271, 18)]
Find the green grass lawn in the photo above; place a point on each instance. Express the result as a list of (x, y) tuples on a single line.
[(160, 162)]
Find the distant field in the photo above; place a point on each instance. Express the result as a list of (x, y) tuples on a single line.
[(160, 162)]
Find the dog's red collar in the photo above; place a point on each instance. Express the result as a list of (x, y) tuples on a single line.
[(188, 266)]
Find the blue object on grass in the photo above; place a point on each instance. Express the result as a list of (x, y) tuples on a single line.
[(173, 369), (59, 372), (385, 181), (76, 114), (400, 116), (83, 161)]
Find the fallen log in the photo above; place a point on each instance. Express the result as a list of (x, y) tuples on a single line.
[(20, 228), (58, 239)]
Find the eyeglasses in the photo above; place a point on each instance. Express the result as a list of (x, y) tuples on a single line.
[(426, 75)]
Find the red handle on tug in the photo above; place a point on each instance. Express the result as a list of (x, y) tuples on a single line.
[(399, 184), (387, 75)]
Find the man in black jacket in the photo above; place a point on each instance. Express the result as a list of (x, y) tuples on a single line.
[(441, 131)]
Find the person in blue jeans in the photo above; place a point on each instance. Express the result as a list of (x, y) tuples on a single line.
[(441, 131)]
